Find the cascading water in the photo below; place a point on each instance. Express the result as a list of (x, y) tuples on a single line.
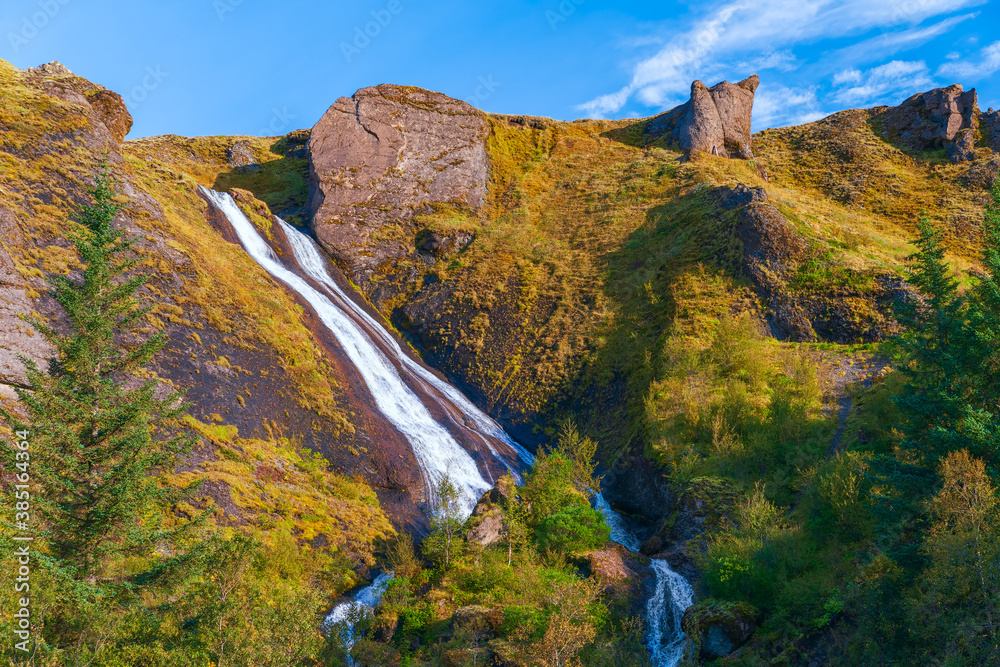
[(665, 609), (383, 365), (344, 616), (436, 451)]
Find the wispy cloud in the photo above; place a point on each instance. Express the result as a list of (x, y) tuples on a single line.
[(890, 43), (781, 105), (742, 36), (983, 65), (883, 83)]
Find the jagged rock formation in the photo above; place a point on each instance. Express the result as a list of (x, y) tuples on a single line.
[(989, 126), (939, 118), (108, 105), (380, 157), (715, 120)]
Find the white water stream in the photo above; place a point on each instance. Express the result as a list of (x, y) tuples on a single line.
[(671, 597), (383, 365)]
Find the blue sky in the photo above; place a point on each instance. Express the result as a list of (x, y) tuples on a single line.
[(201, 67)]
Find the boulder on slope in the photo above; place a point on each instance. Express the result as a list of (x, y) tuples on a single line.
[(382, 156)]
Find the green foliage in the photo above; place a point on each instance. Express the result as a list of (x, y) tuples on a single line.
[(445, 522), (573, 528), (561, 516), (94, 441)]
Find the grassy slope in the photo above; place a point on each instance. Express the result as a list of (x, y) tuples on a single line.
[(201, 287), (564, 300)]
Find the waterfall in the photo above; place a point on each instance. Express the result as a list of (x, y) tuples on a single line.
[(347, 614), (671, 597), (383, 365), (390, 376)]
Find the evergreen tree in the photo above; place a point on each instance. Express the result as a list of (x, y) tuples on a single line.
[(937, 361), (94, 441)]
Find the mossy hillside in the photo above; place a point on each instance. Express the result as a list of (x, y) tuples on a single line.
[(280, 177), (217, 307), (223, 276), (844, 158), (264, 483)]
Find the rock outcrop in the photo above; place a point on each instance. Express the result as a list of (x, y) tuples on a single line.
[(715, 120), (936, 119), (719, 628), (108, 106), (17, 337), (382, 156), (989, 127)]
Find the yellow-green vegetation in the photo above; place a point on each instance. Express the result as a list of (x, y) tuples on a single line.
[(270, 482), (218, 275), (523, 599), (841, 165)]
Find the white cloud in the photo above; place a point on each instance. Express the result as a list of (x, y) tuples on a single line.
[(954, 55), (986, 63), (783, 61), (881, 83), (891, 43), (741, 27), (774, 106), (851, 75)]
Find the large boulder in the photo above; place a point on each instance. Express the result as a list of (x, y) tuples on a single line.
[(932, 120), (719, 628), (382, 156), (715, 120)]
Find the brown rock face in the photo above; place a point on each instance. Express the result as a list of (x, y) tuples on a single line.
[(111, 109), (715, 120), (381, 156), (933, 119), (16, 336)]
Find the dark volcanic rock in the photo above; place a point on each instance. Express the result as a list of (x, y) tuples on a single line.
[(719, 628), (989, 127), (715, 120), (933, 119), (381, 156), (771, 247), (963, 148)]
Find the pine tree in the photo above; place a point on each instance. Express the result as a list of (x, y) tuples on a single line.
[(937, 361), (94, 441)]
